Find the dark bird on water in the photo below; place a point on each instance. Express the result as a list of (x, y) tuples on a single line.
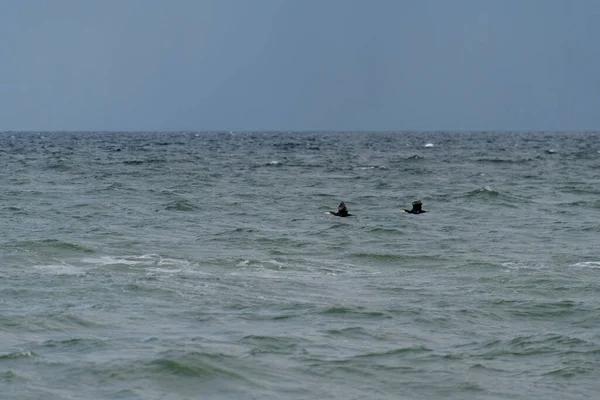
[(341, 212), (416, 208)]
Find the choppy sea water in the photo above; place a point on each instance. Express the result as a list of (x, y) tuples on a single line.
[(204, 266)]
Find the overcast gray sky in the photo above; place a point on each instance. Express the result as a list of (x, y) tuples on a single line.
[(299, 65)]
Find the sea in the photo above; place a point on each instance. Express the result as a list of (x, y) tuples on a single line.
[(204, 265)]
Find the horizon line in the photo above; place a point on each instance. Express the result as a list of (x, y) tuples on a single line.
[(228, 131)]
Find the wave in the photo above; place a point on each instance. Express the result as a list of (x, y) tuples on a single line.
[(387, 231), (484, 192), (381, 256), (349, 332), (571, 371), (416, 171), (581, 203), (288, 146), (49, 244), (535, 345), (488, 194), (148, 161), (8, 376), (152, 263), (17, 355), (418, 350), (545, 309), (271, 344), (45, 322), (60, 165), (375, 360), (504, 160), (354, 312), (181, 205), (193, 364), (587, 264), (60, 269), (579, 189), (13, 209), (124, 260), (371, 167), (76, 344), (393, 257), (238, 230)]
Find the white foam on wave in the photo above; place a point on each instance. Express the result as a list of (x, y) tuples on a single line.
[(428, 144), (269, 269), (153, 264), (517, 266), (307, 267), (111, 260), (17, 354), (587, 264), (60, 269), (277, 264), (243, 263), (264, 264), (164, 271), (126, 260)]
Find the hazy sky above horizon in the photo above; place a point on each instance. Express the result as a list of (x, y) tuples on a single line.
[(300, 65)]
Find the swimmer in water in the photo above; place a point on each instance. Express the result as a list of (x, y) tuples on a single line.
[(341, 212), (416, 209)]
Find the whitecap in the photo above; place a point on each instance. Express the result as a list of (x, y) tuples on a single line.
[(18, 354), (587, 264), (146, 259), (428, 144), (60, 269), (243, 263), (114, 260), (163, 271), (278, 264)]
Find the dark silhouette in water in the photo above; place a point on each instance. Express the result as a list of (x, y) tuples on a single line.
[(341, 212), (416, 208)]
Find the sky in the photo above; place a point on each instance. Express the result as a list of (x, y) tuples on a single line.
[(299, 65)]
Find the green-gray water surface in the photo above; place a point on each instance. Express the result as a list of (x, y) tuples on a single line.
[(204, 266)]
